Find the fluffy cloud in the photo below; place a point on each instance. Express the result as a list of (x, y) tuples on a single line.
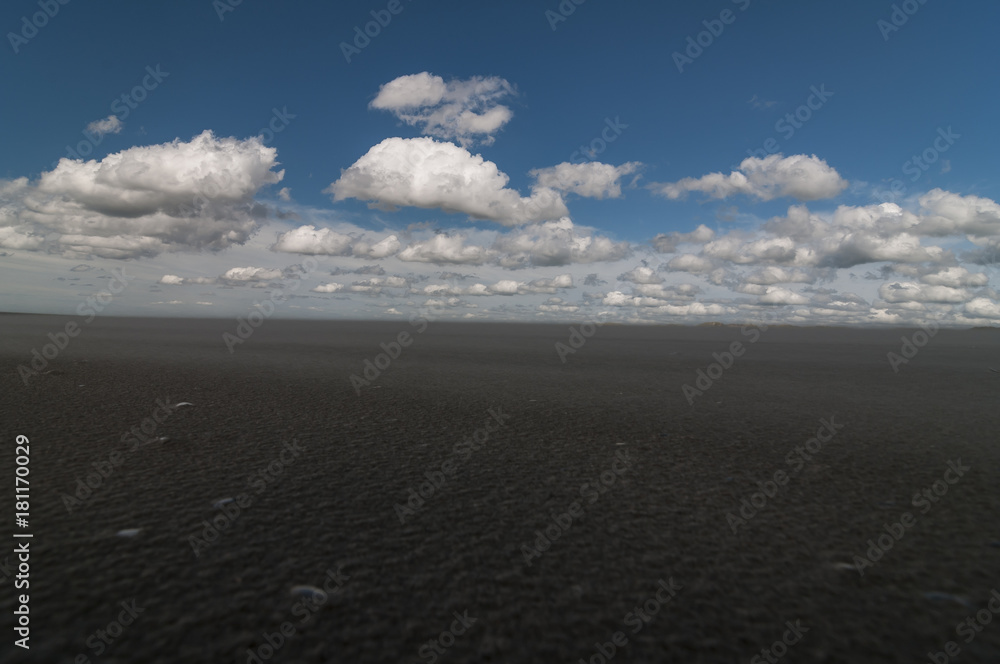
[(661, 292), (377, 285), (655, 306), (424, 173), (857, 248), (324, 241), (952, 214), (255, 277), (384, 248), (461, 110), (444, 250), (982, 307), (800, 176), (142, 201), (778, 295), (955, 277), (775, 275), (734, 249), (914, 292), (690, 263), (641, 275), (550, 244), (446, 289), (666, 243), (246, 274), (849, 236), (331, 287), (314, 241), (548, 285), (502, 287), (556, 243), (590, 179)]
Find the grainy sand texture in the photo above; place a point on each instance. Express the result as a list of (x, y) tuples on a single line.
[(482, 500)]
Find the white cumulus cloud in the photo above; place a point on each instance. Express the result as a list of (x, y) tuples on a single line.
[(424, 173), (445, 250), (799, 176), (556, 243), (590, 179), (461, 110), (142, 201)]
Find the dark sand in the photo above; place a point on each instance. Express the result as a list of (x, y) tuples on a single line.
[(665, 517)]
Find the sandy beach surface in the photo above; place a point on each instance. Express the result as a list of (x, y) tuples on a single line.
[(482, 500)]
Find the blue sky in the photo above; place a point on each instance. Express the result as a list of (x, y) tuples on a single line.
[(888, 93)]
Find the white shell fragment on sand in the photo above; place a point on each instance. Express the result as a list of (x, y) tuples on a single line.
[(224, 501), (128, 532), (309, 592), (182, 403)]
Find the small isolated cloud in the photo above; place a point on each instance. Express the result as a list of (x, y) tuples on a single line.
[(465, 111), (314, 241), (248, 274), (759, 103), (332, 287), (591, 179), (804, 177), (285, 194), (424, 173), (109, 125), (171, 280)]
